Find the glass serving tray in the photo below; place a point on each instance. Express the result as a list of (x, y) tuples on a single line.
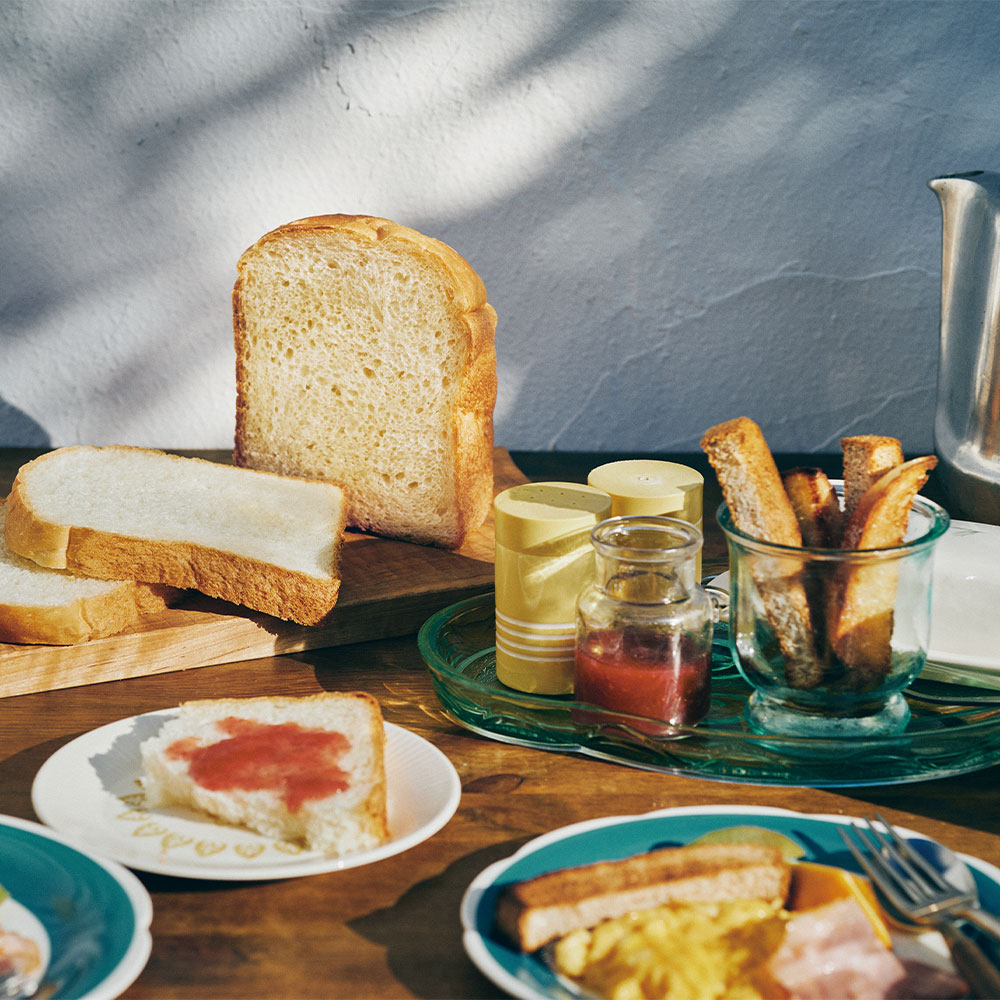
[(941, 739)]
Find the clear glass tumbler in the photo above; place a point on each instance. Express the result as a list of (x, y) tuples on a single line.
[(644, 625), (830, 638)]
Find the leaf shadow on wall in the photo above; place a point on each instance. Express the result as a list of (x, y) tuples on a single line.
[(702, 209), (18, 430)]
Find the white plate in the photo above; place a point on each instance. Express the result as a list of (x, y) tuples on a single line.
[(89, 918), (89, 789), (528, 978), (965, 605)]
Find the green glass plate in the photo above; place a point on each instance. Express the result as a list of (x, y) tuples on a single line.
[(941, 739)]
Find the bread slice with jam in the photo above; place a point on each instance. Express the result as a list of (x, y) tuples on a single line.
[(309, 770)]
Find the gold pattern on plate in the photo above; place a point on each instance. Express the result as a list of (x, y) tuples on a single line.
[(150, 830), (287, 847), (175, 840), (171, 840), (206, 848), (249, 851)]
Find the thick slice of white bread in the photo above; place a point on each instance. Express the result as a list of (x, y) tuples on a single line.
[(365, 356), (268, 542), (533, 912), (56, 607), (309, 769)]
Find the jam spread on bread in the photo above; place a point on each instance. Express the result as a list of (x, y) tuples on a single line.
[(295, 763)]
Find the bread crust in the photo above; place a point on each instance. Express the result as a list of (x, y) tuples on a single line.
[(472, 435), (535, 911), (84, 618), (263, 586)]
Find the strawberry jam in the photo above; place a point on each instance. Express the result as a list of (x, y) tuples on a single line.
[(660, 675), (297, 764)]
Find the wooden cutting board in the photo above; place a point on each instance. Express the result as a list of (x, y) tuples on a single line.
[(389, 588)]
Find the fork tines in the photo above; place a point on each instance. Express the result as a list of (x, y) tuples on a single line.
[(906, 878)]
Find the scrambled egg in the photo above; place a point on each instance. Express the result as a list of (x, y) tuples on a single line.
[(682, 951)]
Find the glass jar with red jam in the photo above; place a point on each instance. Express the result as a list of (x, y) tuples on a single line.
[(644, 626)]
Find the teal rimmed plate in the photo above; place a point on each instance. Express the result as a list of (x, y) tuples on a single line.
[(95, 914), (457, 645), (527, 977)]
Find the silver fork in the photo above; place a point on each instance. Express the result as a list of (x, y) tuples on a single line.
[(912, 892)]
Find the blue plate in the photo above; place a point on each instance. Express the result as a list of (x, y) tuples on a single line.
[(96, 913), (527, 977)]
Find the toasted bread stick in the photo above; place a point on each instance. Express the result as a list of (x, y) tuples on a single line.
[(538, 910), (750, 481), (861, 613), (752, 488), (816, 506), (866, 457)]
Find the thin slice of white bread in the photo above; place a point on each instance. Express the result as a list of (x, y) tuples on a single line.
[(866, 458), (861, 609), (308, 770), (365, 355), (536, 911), (756, 498), (268, 542), (60, 608)]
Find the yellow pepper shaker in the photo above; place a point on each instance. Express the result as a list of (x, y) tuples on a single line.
[(652, 487), (544, 558)]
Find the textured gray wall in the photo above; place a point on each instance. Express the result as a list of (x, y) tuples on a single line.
[(682, 211)]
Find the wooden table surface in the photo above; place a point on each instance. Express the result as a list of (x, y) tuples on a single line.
[(391, 929)]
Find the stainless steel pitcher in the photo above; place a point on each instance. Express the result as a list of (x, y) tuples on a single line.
[(967, 419)]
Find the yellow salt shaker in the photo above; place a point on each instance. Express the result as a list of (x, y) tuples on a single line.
[(652, 487), (544, 558)]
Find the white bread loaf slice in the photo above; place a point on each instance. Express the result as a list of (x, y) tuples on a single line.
[(365, 355), (536, 911), (268, 542), (309, 769), (60, 608)]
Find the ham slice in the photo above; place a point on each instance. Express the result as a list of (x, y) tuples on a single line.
[(832, 953)]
